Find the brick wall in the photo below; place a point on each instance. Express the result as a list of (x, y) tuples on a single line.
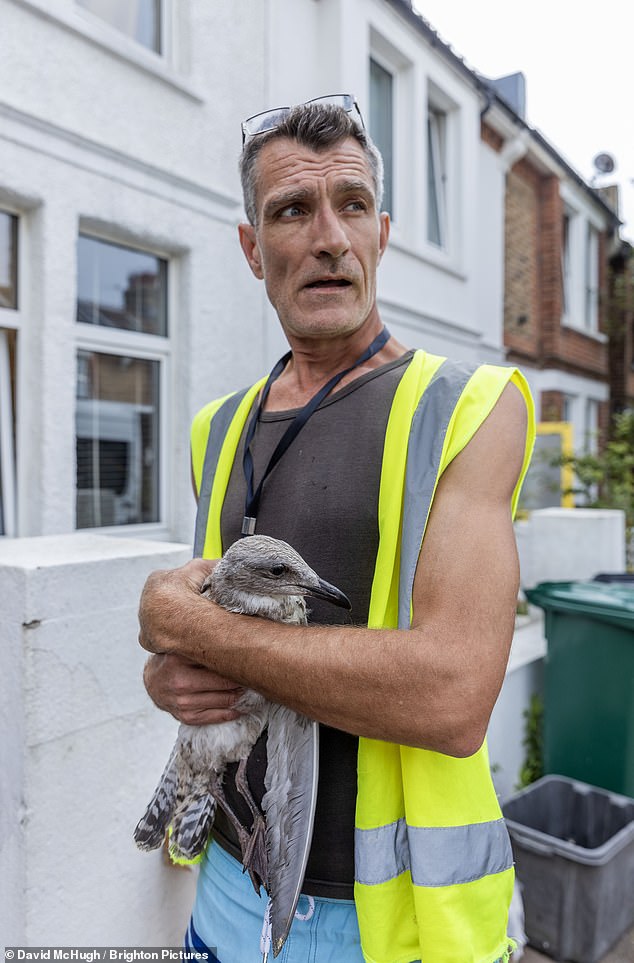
[(521, 244), (551, 406), (533, 300)]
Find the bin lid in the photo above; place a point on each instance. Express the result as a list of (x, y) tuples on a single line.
[(609, 602)]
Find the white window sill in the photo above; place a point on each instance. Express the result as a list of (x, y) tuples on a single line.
[(436, 257), (597, 336), (79, 22), (156, 531)]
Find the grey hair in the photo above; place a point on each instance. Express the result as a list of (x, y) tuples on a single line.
[(317, 126)]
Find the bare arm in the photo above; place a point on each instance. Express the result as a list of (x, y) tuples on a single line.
[(433, 686)]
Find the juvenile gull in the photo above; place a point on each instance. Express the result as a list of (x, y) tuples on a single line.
[(260, 576)]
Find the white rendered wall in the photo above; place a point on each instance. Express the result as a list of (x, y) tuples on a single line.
[(568, 544), (82, 748)]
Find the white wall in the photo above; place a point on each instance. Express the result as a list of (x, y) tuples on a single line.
[(82, 748)]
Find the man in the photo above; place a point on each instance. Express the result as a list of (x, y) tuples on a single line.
[(406, 448)]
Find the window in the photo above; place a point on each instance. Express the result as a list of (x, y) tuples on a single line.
[(566, 293), (436, 177), (9, 323), (382, 125), (138, 19), (592, 279), (123, 325), (591, 426), (568, 408), (119, 287), (580, 254), (8, 260)]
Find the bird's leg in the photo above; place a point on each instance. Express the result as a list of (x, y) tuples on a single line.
[(244, 837), (254, 857)]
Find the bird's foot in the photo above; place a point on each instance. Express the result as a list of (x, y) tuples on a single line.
[(254, 854)]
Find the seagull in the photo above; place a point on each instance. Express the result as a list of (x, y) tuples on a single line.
[(262, 576)]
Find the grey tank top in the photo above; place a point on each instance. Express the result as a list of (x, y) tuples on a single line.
[(322, 498)]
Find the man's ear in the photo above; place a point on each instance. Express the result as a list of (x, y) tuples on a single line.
[(384, 232), (251, 248)]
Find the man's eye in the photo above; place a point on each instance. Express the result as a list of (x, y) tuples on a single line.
[(356, 206), (293, 210)]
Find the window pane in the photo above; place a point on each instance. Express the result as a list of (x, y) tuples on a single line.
[(592, 279), (138, 19), (117, 434), (119, 287), (7, 433), (565, 264), (435, 179), (8, 260), (382, 125)]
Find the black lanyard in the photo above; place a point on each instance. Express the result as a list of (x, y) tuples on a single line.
[(253, 497)]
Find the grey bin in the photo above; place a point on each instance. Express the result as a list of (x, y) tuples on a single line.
[(574, 856)]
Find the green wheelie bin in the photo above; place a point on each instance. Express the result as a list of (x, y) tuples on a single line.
[(589, 681)]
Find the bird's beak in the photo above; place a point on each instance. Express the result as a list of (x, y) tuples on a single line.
[(330, 593)]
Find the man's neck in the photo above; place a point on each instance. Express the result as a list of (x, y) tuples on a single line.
[(315, 362)]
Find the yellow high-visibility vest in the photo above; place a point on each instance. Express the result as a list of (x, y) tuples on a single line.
[(433, 862)]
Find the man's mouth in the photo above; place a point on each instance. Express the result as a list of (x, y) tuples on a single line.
[(329, 283)]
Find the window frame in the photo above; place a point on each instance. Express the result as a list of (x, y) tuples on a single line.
[(437, 173), (446, 115), (144, 347), (164, 51), (392, 72), (591, 277), (11, 319), (580, 268)]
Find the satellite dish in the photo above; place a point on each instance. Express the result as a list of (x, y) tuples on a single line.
[(604, 163)]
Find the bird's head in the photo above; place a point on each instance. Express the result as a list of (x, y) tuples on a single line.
[(267, 567)]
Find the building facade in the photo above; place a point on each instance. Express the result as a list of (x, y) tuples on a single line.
[(125, 302)]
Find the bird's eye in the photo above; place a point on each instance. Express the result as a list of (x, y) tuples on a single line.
[(278, 569)]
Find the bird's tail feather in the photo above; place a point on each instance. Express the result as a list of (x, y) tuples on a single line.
[(151, 828), (192, 825)]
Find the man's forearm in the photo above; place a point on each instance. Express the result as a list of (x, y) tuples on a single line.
[(405, 687)]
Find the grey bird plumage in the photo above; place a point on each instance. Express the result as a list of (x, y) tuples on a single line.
[(259, 576)]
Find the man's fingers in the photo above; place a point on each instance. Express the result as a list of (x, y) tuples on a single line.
[(206, 717), (191, 693)]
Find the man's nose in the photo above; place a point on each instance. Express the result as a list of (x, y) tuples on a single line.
[(329, 237)]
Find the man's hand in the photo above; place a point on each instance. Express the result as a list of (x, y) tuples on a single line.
[(166, 597), (192, 694)]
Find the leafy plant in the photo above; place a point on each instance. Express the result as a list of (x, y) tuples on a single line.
[(606, 479), (533, 743)]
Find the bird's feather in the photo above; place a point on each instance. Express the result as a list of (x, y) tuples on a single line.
[(289, 805), (151, 828), (192, 827)]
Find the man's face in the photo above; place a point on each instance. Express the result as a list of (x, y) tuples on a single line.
[(319, 237)]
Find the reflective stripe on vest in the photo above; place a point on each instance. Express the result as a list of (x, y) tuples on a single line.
[(217, 432), (427, 435), (434, 856)]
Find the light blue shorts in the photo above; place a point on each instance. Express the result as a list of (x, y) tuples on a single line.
[(228, 917)]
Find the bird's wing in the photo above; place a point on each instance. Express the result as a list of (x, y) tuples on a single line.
[(152, 826), (289, 805)]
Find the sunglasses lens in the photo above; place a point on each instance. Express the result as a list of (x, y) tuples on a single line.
[(267, 120)]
